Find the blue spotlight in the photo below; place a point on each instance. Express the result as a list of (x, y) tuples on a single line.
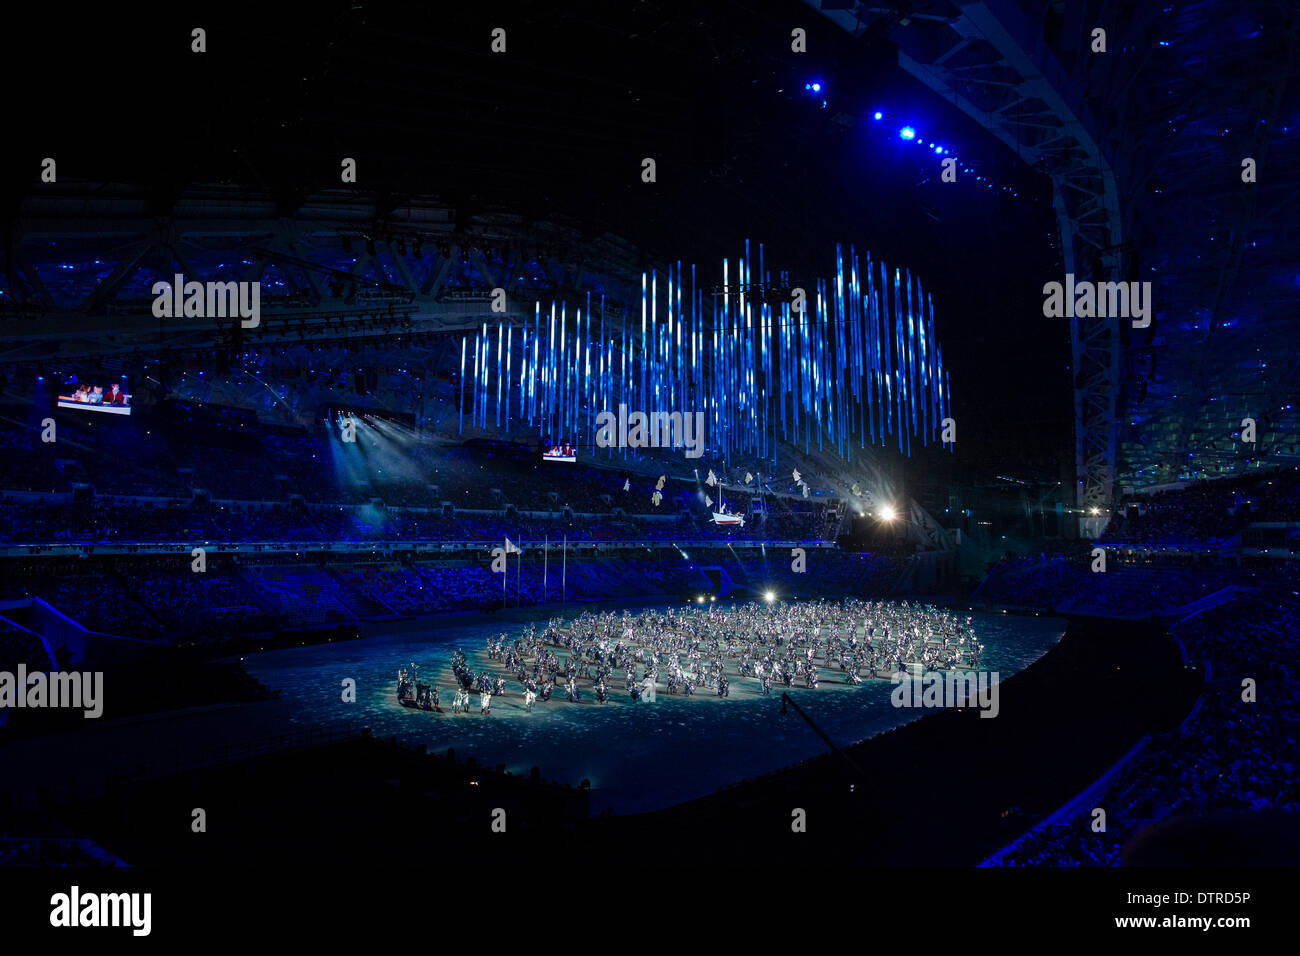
[(816, 87), (907, 133), (878, 115)]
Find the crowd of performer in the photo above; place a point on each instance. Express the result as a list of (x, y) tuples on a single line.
[(774, 645)]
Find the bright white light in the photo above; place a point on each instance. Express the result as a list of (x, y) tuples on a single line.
[(1096, 510), (887, 513), (769, 597), (700, 599)]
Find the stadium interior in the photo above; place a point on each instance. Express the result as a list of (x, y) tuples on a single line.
[(230, 506)]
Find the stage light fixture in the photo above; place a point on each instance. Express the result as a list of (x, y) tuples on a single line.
[(907, 133), (769, 597), (887, 513), (878, 115)]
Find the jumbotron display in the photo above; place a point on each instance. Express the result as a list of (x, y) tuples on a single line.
[(112, 399)]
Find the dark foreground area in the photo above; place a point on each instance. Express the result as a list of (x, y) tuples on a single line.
[(949, 789)]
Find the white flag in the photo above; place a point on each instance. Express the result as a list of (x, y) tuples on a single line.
[(797, 477), (510, 548), (748, 477), (660, 485), (708, 501), (627, 485), (712, 479), (656, 498)]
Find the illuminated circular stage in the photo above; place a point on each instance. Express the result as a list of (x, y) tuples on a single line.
[(637, 756)]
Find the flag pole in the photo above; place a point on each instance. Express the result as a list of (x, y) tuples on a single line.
[(545, 562), (564, 574)]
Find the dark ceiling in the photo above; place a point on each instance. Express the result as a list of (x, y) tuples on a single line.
[(557, 127)]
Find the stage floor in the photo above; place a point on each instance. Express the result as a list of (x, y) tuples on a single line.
[(638, 757)]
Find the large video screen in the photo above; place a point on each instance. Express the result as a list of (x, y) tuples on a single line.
[(564, 452), (111, 399)]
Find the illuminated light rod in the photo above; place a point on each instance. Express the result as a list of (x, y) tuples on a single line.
[(852, 358)]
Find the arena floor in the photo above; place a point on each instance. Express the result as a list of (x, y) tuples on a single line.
[(637, 757)]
